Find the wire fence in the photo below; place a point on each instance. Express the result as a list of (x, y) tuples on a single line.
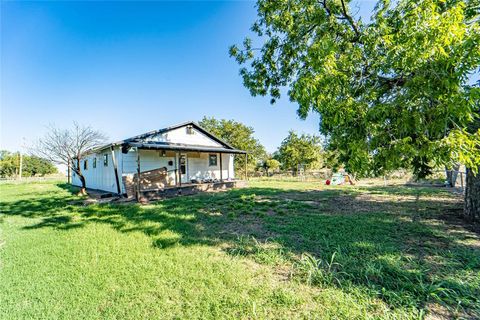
[(314, 175), (448, 178), (455, 179), (439, 178), (17, 179)]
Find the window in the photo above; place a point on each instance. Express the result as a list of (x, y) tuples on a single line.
[(189, 130), (212, 160), (183, 164), (94, 162), (105, 160), (85, 164)]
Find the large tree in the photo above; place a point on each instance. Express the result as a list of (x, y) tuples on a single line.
[(392, 91), (69, 146), (271, 165), (299, 150), (239, 136), (36, 166)]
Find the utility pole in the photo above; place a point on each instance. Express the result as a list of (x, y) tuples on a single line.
[(21, 166), (20, 170)]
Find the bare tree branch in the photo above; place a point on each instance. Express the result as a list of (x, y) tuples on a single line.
[(69, 146)]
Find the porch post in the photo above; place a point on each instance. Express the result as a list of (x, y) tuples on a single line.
[(179, 170), (119, 191), (221, 169), (138, 174), (176, 168)]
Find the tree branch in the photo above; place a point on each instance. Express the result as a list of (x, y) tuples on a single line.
[(350, 20)]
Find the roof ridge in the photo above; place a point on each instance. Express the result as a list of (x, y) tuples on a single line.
[(162, 130)]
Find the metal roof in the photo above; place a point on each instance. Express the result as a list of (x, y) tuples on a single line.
[(133, 141), (182, 147), (179, 125)]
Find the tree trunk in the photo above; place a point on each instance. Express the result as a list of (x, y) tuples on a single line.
[(472, 196), (83, 189)]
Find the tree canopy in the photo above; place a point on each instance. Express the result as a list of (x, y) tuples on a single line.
[(271, 165), (239, 136), (391, 92), (295, 150)]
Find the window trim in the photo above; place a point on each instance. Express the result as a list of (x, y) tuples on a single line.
[(105, 160), (182, 162), (94, 163), (212, 156)]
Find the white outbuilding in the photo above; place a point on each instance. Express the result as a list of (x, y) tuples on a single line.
[(184, 156)]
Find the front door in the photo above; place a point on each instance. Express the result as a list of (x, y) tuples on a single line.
[(183, 168)]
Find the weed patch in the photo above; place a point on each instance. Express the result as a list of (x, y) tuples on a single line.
[(267, 252)]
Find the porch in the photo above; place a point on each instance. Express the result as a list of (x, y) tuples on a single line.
[(190, 189), (166, 169)]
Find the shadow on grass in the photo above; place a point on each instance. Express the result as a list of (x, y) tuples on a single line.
[(73, 190), (406, 251)]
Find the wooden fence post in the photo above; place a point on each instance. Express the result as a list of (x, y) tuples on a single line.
[(246, 161), (461, 179)]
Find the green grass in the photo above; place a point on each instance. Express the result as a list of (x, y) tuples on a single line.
[(274, 250)]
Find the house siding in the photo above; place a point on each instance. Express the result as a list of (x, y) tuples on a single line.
[(103, 177), (149, 160), (180, 135), (200, 168)]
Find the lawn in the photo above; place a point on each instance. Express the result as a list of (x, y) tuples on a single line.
[(271, 251)]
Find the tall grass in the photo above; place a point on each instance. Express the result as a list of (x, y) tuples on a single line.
[(267, 252), (318, 272)]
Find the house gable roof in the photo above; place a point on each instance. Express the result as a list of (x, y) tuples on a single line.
[(141, 140), (180, 125)]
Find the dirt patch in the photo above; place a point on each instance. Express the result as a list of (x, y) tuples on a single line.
[(247, 225), (398, 204), (439, 312), (270, 212)]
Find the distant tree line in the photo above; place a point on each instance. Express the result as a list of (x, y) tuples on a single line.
[(300, 152), (240, 136), (296, 151), (31, 165)]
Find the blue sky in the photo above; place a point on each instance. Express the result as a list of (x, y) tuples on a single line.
[(129, 67)]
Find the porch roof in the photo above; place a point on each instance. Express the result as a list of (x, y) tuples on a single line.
[(181, 147)]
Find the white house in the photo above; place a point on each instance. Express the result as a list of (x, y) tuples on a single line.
[(186, 153)]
